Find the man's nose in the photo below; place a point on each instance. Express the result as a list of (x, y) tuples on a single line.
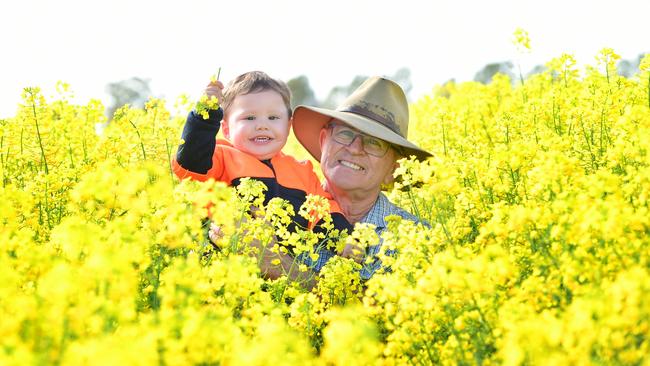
[(356, 145)]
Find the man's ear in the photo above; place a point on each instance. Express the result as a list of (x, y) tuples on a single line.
[(389, 179), (321, 137)]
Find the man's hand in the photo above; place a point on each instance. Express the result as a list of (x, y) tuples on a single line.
[(274, 265), (353, 252)]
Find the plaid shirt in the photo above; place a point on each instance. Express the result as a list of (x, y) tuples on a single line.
[(382, 208)]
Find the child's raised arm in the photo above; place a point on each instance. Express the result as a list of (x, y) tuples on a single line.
[(195, 152)]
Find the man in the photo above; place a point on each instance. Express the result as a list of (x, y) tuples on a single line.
[(358, 146)]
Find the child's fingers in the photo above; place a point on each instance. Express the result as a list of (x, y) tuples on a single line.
[(214, 89), (216, 83), (215, 233)]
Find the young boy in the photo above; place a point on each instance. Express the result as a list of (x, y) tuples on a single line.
[(256, 115)]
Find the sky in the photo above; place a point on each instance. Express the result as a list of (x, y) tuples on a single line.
[(178, 45)]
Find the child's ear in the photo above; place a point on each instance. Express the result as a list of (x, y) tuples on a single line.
[(225, 128)]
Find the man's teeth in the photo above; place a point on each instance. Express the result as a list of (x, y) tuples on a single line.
[(350, 165)]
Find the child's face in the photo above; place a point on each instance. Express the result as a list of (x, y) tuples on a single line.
[(257, 123)]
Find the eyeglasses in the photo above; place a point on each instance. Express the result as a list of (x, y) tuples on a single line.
[(346, 136)]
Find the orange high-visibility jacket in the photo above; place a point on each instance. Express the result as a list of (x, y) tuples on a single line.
[(202, 157)]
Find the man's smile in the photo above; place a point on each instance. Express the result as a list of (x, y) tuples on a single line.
[(351, 165)]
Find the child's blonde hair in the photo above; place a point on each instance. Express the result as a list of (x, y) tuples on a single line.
[(255, 82)]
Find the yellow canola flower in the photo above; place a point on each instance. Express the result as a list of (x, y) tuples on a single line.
[(350, 339), (521, 39), (535, 247)]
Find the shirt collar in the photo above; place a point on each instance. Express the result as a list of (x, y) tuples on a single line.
[(379, 210)]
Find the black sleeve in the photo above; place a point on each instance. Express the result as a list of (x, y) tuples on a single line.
[(339, 221), (199, 137)]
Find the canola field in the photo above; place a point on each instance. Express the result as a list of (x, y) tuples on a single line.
[(538, 251)]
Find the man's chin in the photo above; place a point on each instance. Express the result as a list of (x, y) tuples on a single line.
[(345, 181)]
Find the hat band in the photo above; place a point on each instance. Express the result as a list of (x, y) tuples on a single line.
[(374, 116)]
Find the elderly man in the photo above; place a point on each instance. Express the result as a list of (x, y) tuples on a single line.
[(358, 146)]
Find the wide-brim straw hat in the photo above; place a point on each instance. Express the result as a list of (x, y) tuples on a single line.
[(378, 108)]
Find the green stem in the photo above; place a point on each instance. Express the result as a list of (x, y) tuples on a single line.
[(586, 136), (601, 149), (487, 132), (169, 160), (83, 144), (40, 213), (444, 138), (414, 204), (38, 132), (155, 116), (427, 348), (458, 351), (47, 207), (524, 95), (5, 159), (441, 220), (484, 319), (144, 154), (70, 153)]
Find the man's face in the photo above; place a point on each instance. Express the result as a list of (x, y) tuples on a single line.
[(351, 168)]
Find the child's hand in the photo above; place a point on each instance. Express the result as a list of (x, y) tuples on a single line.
[(207, 103), (353, 252), (215, 233), (215, 89)]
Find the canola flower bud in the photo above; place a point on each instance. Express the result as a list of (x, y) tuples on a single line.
[(521, 40)]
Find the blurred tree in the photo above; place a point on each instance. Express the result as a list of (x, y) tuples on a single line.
[(403, 78), (301, 92), (629, 68), (488, 71), (445, 90), (134, 91), (538, 69), (339, 93)]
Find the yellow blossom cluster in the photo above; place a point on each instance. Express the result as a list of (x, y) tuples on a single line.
[(533, 249)]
